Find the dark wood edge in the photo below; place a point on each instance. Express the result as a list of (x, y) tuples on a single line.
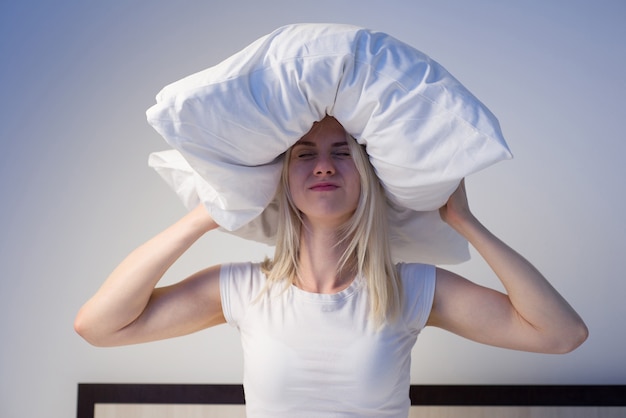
[(90, 394), (519, 395)]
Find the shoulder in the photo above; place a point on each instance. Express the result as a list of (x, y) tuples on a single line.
[(240, 284), (418, 288), (240, 269), (241, 276), (418, 280), (413, 274)]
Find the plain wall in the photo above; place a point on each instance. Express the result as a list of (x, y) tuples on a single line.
[(77, 194)]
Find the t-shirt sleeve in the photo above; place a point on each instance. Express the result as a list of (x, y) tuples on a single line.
[(418, 281), (240, 283)]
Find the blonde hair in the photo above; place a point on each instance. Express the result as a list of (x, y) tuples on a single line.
[(365, 237)]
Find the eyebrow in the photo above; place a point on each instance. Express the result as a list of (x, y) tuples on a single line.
[(313, 144)]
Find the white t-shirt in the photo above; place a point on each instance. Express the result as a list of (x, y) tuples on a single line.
[(318, 355)]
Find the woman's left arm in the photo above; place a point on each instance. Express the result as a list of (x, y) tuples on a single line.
[(531, 316)]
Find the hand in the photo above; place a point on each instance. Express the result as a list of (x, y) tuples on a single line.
[(456, 211)]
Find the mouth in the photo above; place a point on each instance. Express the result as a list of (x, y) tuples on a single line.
[(323, 187)]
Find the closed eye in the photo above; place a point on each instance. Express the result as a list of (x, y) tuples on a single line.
[(343, 153), (305, 154)]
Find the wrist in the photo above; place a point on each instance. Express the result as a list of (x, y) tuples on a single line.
[(201, 220), (466, 225)]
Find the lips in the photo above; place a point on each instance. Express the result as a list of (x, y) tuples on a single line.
[(323, 187)]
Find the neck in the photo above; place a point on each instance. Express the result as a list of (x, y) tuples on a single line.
[(320, 253)]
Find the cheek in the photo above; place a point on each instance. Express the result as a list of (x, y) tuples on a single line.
[(355, 185), (294, 184), (292, 179), (353, 174)]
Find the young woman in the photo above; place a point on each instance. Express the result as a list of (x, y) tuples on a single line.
[(327, 326)]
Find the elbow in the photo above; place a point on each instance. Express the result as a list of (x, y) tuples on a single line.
[(570, 340), (82, 328), (579, 337), (87, 330)]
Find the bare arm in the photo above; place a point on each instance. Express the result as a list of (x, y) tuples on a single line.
[(127, 309), (531, 316)]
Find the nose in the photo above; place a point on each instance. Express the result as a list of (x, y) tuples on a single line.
[(324, 166)]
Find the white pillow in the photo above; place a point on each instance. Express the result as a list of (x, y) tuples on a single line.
[(422, 129)]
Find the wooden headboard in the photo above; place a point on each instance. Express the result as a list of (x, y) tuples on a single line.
[(601, 400)]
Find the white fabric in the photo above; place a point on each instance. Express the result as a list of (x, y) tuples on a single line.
[(423, 130), (317, 355)]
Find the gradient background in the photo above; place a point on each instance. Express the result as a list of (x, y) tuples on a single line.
[(77, 194)]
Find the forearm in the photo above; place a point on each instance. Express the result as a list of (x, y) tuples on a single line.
[(128, 289)]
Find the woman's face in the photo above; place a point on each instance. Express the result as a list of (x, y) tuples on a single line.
[(324, 182)]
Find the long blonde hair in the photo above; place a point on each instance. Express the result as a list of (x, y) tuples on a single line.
[(365, 237)]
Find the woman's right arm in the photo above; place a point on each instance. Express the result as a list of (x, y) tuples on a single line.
[(128, 309)]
